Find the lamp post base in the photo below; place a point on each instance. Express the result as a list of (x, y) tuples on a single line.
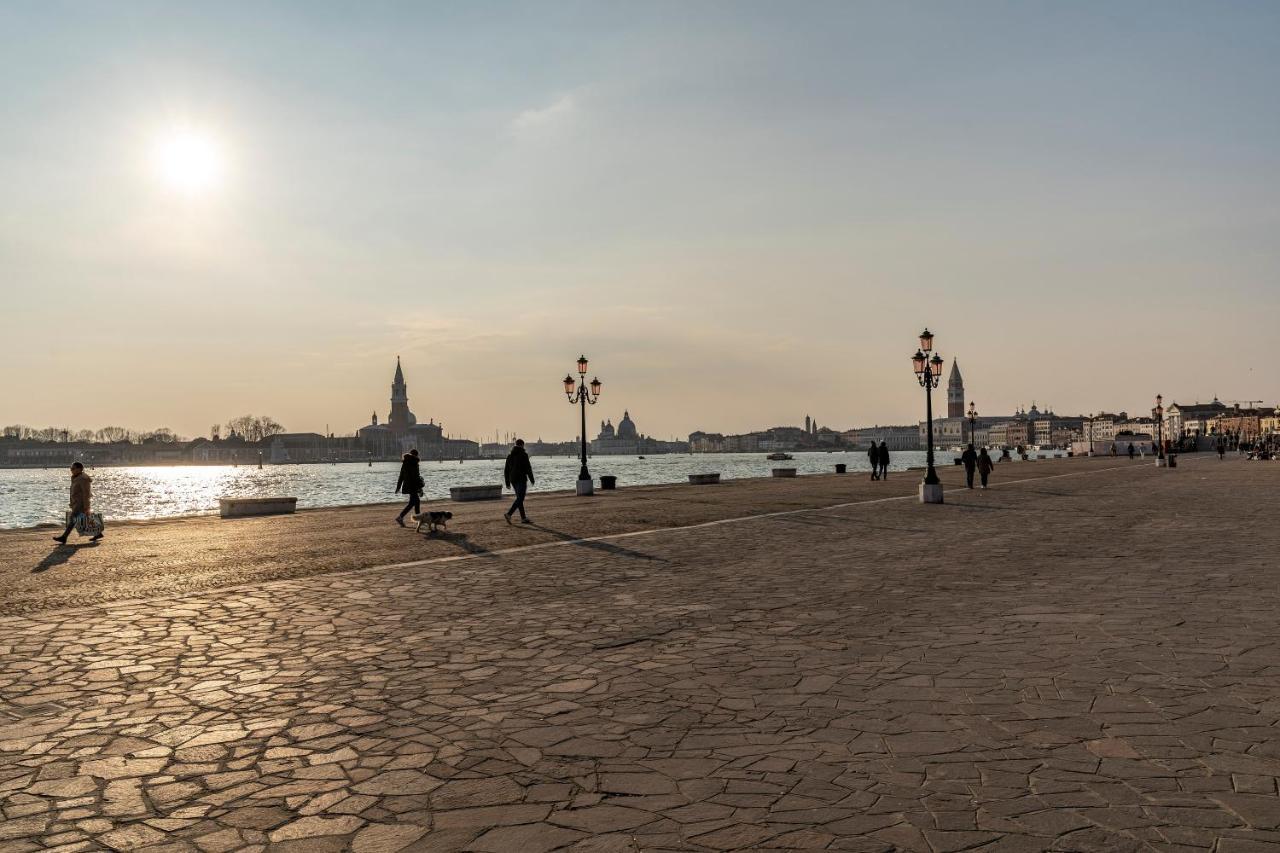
[(930, 493), (586, 487)]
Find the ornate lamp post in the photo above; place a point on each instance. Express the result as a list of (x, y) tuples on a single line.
[(1089, 452), (929, 374), (1158, 414), (973, 418), (581, 393)]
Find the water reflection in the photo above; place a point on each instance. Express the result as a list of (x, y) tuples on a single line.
[(29, 497)]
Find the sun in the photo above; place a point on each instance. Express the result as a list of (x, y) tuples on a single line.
[(188, 161)]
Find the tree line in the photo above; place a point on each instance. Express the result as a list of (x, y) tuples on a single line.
[(249, 427)]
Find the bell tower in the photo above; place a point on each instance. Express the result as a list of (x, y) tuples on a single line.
[(955, 392), (400, 419)]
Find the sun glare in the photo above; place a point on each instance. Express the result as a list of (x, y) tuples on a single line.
[(188, 161)]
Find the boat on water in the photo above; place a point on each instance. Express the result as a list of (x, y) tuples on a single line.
[(778, 457)]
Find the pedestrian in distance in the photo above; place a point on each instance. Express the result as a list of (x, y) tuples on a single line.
[(970, 460), (873, 456), (81, 500), (1131, 450), (410, 483), (518, 475), (883, 454), (985, 466), (1221, 448)]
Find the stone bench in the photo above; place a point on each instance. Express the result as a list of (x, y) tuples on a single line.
[(784, 472), (475, 493), (704, 479), (241, 507)]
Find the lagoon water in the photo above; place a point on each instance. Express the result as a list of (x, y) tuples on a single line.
[(29, 497)]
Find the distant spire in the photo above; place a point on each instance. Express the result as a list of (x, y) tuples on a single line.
[(399, 379)]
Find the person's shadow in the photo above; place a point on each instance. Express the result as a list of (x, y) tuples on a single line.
[(461, 540), (606, 547), (59, 556)]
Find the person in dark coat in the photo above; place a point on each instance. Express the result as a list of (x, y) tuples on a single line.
[(409, 483), (970, 460), (1131, 450), (985, 466), (883, 455), (81, 498), (873, 456), (518, 475)]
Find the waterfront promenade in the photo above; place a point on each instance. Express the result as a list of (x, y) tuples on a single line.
[(1085, 657)]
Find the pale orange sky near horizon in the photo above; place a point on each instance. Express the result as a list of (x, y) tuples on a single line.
[(742, 213)]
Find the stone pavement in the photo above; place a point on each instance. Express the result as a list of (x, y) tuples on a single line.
[(1077, 662), (175, 556)]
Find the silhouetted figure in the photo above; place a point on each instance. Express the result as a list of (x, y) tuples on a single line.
[(410, 483), (1221, 447), (1113, 448), (873, 456), (985, 466), (518, 474), (1131, 450), (970, 460), (81, 499), (883, 455)]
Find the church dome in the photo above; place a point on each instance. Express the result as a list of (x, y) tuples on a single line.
[(626, 427)]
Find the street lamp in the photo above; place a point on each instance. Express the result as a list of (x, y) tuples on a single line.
[(1158, 413), (929, 374), (1089, 452), (582, 393), (973, 417)]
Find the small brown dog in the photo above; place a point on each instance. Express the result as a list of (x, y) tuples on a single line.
[(433, 520)]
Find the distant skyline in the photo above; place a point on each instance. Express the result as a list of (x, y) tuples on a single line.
[(742, 213)]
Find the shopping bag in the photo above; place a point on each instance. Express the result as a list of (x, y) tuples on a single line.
[(87, 523)]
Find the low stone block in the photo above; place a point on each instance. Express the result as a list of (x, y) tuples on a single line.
[(704, 479), (240, 507), (475, 493), (784, 472)]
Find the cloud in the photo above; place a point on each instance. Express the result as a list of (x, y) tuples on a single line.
[(540, 120)]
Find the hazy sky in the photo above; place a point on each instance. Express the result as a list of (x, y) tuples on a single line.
[(742, 212)]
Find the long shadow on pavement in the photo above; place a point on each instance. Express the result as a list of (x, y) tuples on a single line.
[(59, 556), (606, 547)]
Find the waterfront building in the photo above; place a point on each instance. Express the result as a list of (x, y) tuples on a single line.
[(401, 431), (1192, 419), (626, 439)]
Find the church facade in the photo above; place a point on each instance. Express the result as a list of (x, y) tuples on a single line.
[(401, 432), (625, 439)]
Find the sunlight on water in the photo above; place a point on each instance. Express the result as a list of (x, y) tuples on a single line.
[(39, 496)]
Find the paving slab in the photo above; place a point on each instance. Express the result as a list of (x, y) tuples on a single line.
[(1085, 659)]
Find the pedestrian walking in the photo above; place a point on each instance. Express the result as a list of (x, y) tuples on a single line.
[(1131, 450), (873, 456), (410, 483), (985, 466), (81, 504), (518, 475), (1221, 448), (883, 454), (970, 460)]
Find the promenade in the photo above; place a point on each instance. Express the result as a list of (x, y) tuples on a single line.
[(1084, 658)]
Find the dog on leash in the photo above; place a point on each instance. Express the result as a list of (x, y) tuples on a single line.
[(433, 520)]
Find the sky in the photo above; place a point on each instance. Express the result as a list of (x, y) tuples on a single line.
[(743, 213)]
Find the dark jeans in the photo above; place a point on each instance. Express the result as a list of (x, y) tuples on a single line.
[(412, 506), (519, 487), (884, 470), (984, 475), (968, 476)]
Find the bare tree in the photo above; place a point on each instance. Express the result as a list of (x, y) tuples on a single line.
[(113, 434), (254, 427)]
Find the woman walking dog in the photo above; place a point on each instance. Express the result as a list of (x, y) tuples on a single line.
[(410, 483)]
